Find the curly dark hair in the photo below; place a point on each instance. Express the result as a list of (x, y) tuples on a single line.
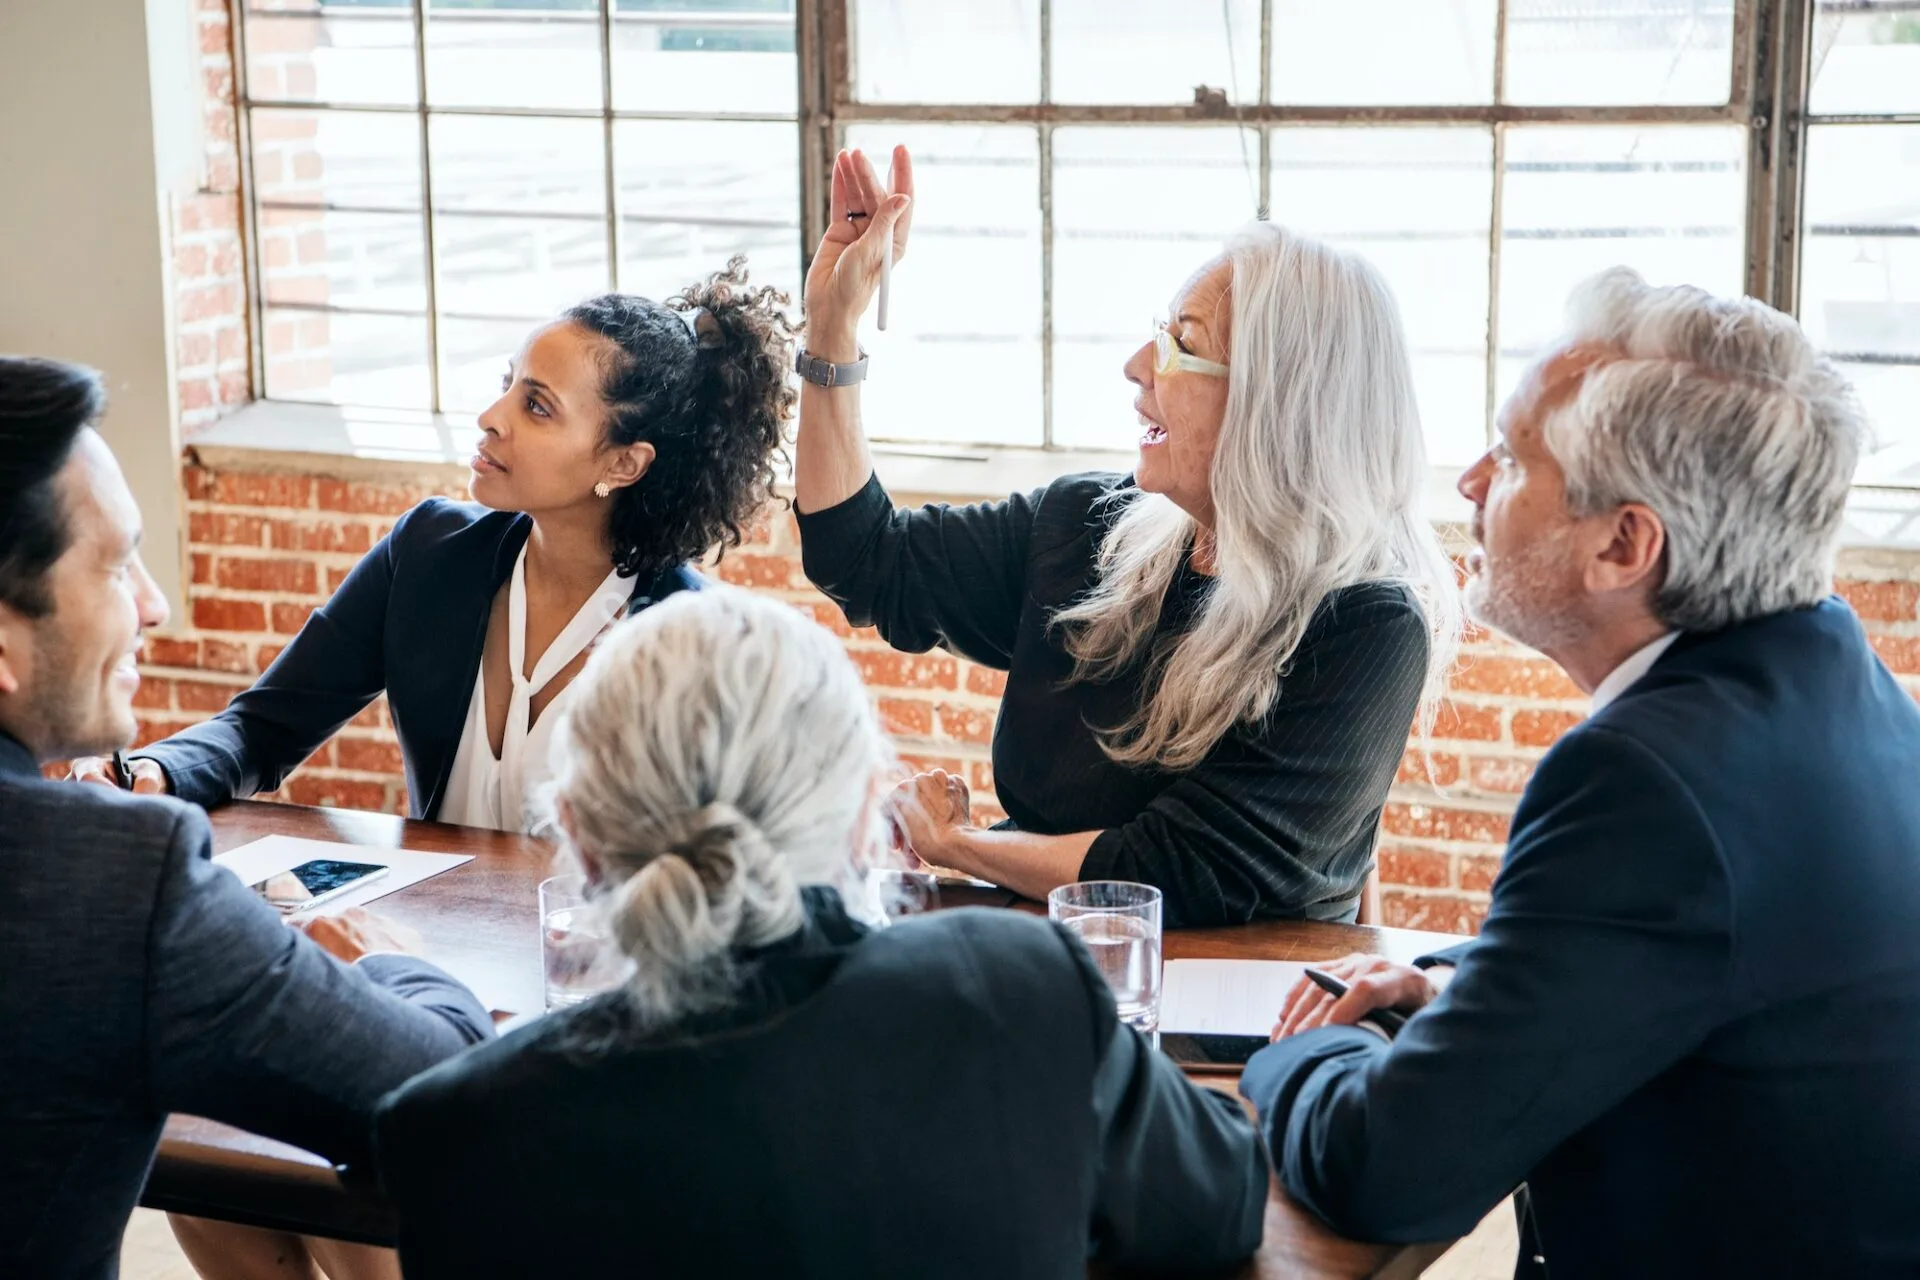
[(711, 397)]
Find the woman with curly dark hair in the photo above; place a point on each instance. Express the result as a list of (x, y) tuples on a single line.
[(630, 437)]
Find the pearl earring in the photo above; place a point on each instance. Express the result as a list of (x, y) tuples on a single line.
[(602, 489)]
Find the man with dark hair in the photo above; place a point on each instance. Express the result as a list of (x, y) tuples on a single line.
[(140, 978)]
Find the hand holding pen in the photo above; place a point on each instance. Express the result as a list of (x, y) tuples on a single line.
[(142, 776), (1369, 987)]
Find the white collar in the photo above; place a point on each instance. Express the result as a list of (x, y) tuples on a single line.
[(1623, 677)]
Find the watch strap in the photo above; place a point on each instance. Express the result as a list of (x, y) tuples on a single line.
[(825, 373)]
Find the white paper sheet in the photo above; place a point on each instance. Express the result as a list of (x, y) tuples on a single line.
[(271, 855), (1225, 997)]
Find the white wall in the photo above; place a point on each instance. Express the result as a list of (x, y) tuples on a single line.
[(96, 96)]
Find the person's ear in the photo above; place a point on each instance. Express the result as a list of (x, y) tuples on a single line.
[(1632, 551), (12, 632), (623, 466)]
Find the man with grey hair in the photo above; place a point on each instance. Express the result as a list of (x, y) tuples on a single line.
[(1691, 1023)]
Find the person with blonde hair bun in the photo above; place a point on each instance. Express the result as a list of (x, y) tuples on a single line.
[(781, 1086)]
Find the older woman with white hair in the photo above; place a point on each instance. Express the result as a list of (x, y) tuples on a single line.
[(779, 1089), (1213, 663)]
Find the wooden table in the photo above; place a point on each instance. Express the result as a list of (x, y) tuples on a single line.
[(479, 921)]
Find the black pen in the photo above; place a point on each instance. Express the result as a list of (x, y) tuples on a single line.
[(1388, 1020), (122, 777)]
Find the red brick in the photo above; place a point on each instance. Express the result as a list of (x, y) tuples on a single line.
[(196, 349), (1442, 913), (334, 578), (1535, 678), (1506, 774), (209, 213), (372, 716), (153, 694), (207, 302), (1436, 769), (1883, 601), (1477, 872), (199, 483), (241, 489), (985, 813), (763, 572), (196, 394), (916, 763), (294, 576), (966, 724), (264, 655), (366, 499), (980, 776), (1542, 728), (1467, 721), (889, 670), (153, 729), (165, 651), (339, 793), (195, 695), (368, 755), (1437, 822), (229, 615), (906, 716), (289, 618), (319, 535), (226, 529), (202, 569), (1421, 868), (224, 655), (1900, 653), (985, 680), (214, 37), (828, 615), (190, 263)]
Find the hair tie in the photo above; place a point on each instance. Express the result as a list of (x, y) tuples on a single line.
[(703, 327)]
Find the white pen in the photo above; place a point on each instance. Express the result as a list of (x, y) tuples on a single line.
[(886, 263)]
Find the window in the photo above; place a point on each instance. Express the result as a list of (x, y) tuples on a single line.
[(431, 178)]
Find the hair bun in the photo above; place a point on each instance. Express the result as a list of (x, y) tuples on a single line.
[(713, 838), (707, 333)]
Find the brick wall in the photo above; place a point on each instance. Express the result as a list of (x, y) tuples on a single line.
[(269, 545)]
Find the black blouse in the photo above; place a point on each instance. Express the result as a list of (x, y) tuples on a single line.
[(1279, 820)]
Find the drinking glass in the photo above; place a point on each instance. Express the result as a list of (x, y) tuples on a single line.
[(1120, 923), (581, 960)]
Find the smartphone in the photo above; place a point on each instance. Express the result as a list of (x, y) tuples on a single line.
[(1203, 1052), (312, 883)]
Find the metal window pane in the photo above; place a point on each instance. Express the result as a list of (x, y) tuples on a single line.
[(966, 301), (516, 165), (1860, 277), (704, 56), (1418, 204), (1866, 57), (694, 193), (351, 159), (1135, 212), (1670, 202), (473, 357), (518, 268), (1619, 52), (1383, 53), (309, 56), (943, 51), (346, 358), (547, 57), (323, 257), (1135, 51)]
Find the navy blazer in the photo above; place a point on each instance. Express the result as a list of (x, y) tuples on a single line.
[(138, 978), (1691, 1022), (410, 620)]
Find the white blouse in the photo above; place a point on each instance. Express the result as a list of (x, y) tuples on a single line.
[(487, 792)]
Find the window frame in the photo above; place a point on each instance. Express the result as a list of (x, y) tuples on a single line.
[(1770, 53)]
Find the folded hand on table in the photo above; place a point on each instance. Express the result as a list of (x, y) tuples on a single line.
[(926, 808), (149, 779), (1373, 982), (355, 933)]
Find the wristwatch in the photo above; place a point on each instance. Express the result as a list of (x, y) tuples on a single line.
[(825, 373)]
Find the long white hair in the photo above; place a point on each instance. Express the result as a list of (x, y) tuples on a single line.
[(1318, 482)]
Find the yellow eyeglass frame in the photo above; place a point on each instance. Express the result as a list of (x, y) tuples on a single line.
[(1169, 358)]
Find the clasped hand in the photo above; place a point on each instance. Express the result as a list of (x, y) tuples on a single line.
[(926, 809)]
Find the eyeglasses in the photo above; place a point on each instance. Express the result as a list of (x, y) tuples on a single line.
[(1169, 358)]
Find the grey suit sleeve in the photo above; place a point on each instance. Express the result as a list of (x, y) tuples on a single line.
[(1183, 1180), (1607, 956), (251, 1024)]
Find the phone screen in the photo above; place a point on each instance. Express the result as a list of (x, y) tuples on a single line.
[(1216, 1052), (312, 882)]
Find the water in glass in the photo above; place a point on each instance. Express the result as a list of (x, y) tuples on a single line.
[(1127, 949)]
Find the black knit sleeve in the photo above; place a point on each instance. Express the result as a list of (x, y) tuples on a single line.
[(1280, 816)]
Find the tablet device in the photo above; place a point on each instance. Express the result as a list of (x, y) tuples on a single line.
[(312, 883)]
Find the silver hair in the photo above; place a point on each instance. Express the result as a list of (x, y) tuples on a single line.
[(1720, 416), (718, 752), (1318, 481)]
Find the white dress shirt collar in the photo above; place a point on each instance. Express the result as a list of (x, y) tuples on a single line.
[(1622, 677)]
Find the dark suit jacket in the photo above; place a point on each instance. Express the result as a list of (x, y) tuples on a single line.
[(136, 979), (411, 619), (951, 1097), (1691, 1021)]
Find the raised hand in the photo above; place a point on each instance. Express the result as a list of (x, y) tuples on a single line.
[(846, 268)]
